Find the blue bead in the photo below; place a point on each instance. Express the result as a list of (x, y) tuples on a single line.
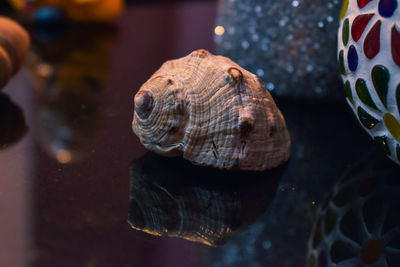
[(48, 15), (352, 58), (387, 7)]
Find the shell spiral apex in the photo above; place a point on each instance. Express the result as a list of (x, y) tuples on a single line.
[(213, 112)]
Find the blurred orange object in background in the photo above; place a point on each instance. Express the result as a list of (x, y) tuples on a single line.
[(86, 11), (93, 10)]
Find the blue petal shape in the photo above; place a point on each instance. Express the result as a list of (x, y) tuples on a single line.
[(352, 58), (387, 7)]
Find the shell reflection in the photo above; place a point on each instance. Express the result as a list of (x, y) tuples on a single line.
[(12, 122), (170, 197), (359, 223)]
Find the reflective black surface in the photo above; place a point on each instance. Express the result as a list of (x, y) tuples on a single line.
[(69, 185), (358, 223), (171, 197)]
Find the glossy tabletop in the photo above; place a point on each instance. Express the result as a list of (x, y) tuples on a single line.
[(78, 189)]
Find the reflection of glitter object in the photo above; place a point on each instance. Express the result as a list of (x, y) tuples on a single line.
[(293, 41)]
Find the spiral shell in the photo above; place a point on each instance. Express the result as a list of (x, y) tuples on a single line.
[(213, 112), (14, 44)]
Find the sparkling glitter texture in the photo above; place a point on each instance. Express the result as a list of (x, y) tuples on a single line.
[(291, 42)]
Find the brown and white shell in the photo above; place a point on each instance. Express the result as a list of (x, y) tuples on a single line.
[(14, 45), (213, 112)]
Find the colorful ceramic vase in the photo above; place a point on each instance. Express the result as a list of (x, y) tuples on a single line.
[(369, 59)]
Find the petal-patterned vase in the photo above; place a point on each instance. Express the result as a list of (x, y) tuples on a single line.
[(369, 59)]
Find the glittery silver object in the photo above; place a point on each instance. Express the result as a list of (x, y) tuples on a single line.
[(290, 44)]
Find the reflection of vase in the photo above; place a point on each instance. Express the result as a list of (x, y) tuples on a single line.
[(290, 44), (171, 197), (359, 222), (12, 122)]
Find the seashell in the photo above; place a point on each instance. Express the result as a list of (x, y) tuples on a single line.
[(358, 223), (369, 59), (14, 44), (213, 112), (199, 204)]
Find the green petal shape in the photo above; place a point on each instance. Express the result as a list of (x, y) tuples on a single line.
[(363, 93), (347, 91), (380, 78), (382, 142), (341, 62), (393, 125), (366, 120), (345, 32), (345, 6)]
